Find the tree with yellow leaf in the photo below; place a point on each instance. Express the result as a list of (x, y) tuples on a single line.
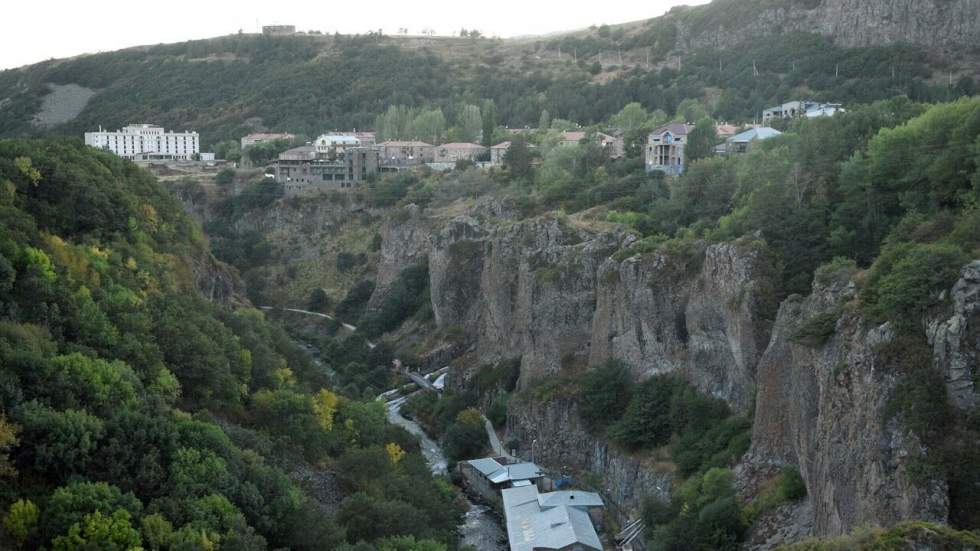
[(8, 439), (395, 452), (325, 406)]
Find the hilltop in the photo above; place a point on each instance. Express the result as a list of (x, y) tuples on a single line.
[(227, 86)]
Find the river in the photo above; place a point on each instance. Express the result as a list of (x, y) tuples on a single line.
[(479, 528)]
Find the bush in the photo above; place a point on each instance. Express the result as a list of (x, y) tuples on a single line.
[(906, 281), (225, 177), (816, 330)]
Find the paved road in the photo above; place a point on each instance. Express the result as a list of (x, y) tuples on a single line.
[(347, 326), (495, 445)]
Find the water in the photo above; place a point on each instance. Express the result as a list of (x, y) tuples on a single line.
[(479, 528)]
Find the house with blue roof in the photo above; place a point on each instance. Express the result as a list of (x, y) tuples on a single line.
[(743, 141)]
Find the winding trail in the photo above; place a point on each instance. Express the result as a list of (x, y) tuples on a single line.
[(347, 326)]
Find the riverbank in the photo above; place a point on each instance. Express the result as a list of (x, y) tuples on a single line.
[(480, 529)]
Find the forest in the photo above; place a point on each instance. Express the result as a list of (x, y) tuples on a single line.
[(137, 414)]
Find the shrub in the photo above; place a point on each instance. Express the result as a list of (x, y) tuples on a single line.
[(907, 279), (816, 330), (225, 177)]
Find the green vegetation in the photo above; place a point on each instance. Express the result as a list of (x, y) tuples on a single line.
[(604, 393), (901, 537), (408, 295), (664, 410), (304, 84), (703, 515), (137, 413), (788, 486)]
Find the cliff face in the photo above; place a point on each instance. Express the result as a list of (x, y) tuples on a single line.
[(705, 312), (519, 289), (955, 340), (821, 407), (404, 242), (936, 24), (561, 442), (551, 293)]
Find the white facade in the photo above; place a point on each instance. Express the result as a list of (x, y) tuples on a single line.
[(146, 141), (336, 143)]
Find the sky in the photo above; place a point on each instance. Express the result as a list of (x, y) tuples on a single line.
[(36, 30)]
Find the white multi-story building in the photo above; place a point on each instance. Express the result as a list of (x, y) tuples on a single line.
[(146, 142)]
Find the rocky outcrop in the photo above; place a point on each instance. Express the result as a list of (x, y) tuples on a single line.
[(552, 294), (519, 289), (218, 281), (821, 407), (705, 312), (404, 242), (560, 441), (935, 24), (955, 340)]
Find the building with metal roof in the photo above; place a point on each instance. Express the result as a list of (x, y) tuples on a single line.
[(544, 521), (742, 142)]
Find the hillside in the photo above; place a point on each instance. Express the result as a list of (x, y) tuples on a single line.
[(134, 411), (227, 86)]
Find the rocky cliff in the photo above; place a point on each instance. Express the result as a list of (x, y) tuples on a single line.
[(935, 24), (560, 442), (823, 406)]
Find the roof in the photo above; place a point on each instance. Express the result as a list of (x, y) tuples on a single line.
[(570, 498), (299, 153), (517, 471), (752, 134), (725, 129), (824, 111), (461, 145), (268, 135), (675, 128), (574, 136), (338, 138), (487, 465), (502, 145), (394, 143), (533, 526), (499, 473)]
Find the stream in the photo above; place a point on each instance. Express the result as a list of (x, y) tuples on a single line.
[(479, 528)]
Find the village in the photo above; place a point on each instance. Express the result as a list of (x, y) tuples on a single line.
[(343, 160)]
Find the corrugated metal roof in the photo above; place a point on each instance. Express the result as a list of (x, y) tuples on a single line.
[(761, 133), (570, 498), (531, 526), (486, 466)]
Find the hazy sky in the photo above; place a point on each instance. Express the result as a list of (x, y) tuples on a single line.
[(35, 30)]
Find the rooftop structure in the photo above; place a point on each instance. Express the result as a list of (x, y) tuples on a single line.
[(553, 520)]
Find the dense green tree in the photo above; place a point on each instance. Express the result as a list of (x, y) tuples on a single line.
[(603, 394), (701, 141)]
